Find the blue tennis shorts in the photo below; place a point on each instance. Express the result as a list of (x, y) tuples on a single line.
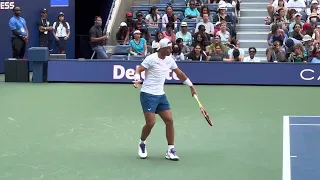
[(154, 103)]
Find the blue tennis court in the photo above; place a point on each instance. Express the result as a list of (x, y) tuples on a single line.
[(301, 147)]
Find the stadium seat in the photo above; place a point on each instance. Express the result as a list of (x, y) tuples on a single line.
[(136, 58), (121, 50), (119, 57), (153, 30)]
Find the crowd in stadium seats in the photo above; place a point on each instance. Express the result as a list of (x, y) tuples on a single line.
[(294, 31), (200, 31)]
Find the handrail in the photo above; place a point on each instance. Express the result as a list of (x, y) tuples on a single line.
[(109, 17)]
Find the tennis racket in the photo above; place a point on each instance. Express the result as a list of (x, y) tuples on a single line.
[(203, 111)]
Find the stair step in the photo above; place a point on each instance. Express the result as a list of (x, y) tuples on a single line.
[(253, 5), (253, 27), (254, 43), (252, 20), (244, 35), (254, 12)]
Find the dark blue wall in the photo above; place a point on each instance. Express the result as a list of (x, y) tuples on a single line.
[(31, 12)]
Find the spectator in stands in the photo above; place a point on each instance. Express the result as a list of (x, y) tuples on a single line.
[(138, 45), (184, 49), (146, 35), (235, 56), (222, 15), (299, 6), (61, 32), (308, 45), (168, 33), (204, 10), (217, 42), (201, 39), (20, 34), (313, 8), (122, 35), (289, 46), (281, 19), (223, 33), (217, 27), (209, 27), (316, 58), (184, 34), (44, 27), (313, 19), (276, 34), (97, 39), (275, 5), (218, 54), (176, 53), (297, 32), (298, 54), (155, 43), (131, 24), (197, 54), (191, 11), (275, 53), (235, 44), (297, 21), (140, 24), (153, 18), (169, 17), (251, 58)]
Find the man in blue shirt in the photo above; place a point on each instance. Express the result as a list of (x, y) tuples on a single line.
[(19, 29)]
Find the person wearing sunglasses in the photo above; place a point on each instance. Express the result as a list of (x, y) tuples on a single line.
[(191, 12), (251, 57), (20, 33), (275, 53)]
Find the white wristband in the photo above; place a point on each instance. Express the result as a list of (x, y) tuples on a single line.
[(188, 82), (137, 77)]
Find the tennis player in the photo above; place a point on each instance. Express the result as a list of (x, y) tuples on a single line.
[(152, 96)]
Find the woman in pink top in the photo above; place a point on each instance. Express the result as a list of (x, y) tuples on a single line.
[(169, 34)]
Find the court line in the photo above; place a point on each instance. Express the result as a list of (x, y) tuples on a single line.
[(304, 124), (293, 156), (286, 161)]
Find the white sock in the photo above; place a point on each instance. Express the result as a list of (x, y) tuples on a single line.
[(142, 142), (170, 147)]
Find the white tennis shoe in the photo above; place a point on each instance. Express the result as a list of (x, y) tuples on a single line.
[(142, 151), (172, 155)]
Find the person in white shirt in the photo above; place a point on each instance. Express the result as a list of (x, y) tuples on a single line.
[(184, 34), (207, 24), (61, 32), (252, 53), (152, 96)]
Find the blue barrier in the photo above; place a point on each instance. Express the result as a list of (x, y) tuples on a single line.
[(232, 73)]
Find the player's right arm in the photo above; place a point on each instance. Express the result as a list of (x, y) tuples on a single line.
[(144, 65)]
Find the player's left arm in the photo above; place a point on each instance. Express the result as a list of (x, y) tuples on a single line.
[(183, 77)]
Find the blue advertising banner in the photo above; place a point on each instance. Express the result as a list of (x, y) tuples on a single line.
[(59, 3), (199, 72), (30, 11)]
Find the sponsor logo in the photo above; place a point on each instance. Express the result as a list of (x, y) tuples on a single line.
[(4, 5), (309, 75), (119, 72)]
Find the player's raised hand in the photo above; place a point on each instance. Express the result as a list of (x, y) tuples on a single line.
[(193, 91)]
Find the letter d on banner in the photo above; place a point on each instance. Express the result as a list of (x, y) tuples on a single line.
[(120, 69)]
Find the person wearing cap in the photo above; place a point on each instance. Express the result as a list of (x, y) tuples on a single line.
[(153, 98), (44, 27), (222, 15), (297, 20), (20, 34), (184, 34), (131, 24), (97, 39), (61, 32), (307, 42), (138, 45), (209, 27), (191, 11), (123, 34), (140, 24)]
